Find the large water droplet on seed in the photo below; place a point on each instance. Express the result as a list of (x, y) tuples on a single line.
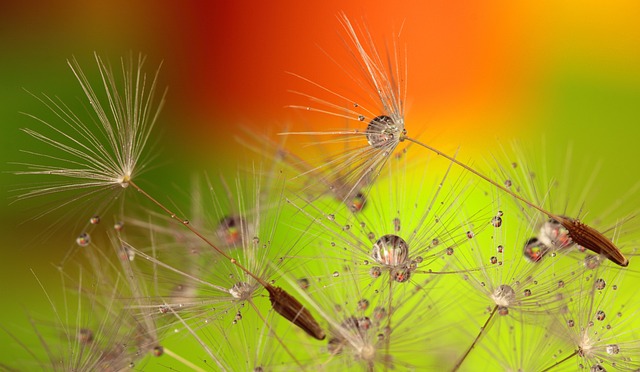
[(381, 130), (504, 295), (390, 250)]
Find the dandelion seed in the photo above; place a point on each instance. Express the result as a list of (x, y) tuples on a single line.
[(109, 155)]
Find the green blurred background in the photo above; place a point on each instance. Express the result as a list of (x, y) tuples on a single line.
[(567, 73)]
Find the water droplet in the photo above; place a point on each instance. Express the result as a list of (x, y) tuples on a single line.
[(118, 226), (355, 105), (534, 250), (500, 249), (597, 368), (494, 259), (554, 235), (508, 183), (303, 283), (419, 259), (361, 117), (503, 310), (527, 292), (346, 227), (613, 349), (600, 284), (94, 220), (561, 284), (470, 234), (241, 290), (504, 295), (449, 251), (371, 236), (358, 203), (127, 254), (331, 217), (435, 242), (381, 130), (229, 229), (83, 240), (85, 336), (496, 221), (379, 313), (614, 287), (396, 224), (375, 272), (401, 274), (158, 351), (571, 323), (600, 315), (256, 240), (185, 222), (335, 274), (390, 250), (592, 262), (363, 304)]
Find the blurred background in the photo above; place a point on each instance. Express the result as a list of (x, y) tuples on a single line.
[(478, 75)]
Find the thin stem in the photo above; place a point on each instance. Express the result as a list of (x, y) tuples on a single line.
[(494, 183), (186, 224), (181, 360), (482, 329), (554, 365)]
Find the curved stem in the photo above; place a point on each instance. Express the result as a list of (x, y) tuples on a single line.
[(482, 329), (494, 183), (186, 224)]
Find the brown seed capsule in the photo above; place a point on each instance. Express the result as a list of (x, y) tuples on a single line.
[(292, 310), (593, 240)]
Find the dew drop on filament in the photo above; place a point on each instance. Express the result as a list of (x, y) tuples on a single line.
[(83, 240), (496, 221), (613, 349)]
